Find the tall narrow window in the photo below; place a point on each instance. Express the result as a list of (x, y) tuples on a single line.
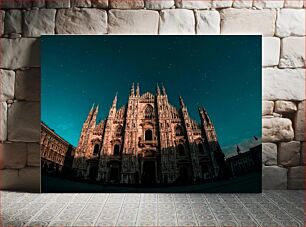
[(96, 149), (148, 114), (178, 131), (181, 149), (116, 149), (119, 131), (200, 147), (148, 135)]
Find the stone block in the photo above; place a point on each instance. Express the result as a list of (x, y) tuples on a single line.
[(39, 22), (15, 4), (293, 3), (19, 53), (262, 4), (296, 176), (270, 51), (126, 4), (283, 84), (99, 3), (24, 122), (159, 4), (290, 22), (3, 121), (39, 3), (177, 21), (7, 84), (25, 180), (274, 177), (269, 154), (13, 21), (133, 22), (299, 122), (56, 4), (285, 107), (293, 52), (13, 155), (207, 22), (80, 3), (81, 21), (27, 86), (277, 129), (289, 153), (33, 158), (191, 4), (221, 3), (248, 21), (2, 14), (267, 107), (242, 4)]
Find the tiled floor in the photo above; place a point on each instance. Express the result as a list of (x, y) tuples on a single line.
[(271, 208)]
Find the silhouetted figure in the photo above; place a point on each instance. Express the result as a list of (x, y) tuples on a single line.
[(238, 150)]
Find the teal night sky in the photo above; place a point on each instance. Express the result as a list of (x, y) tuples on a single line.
[(223, 73)]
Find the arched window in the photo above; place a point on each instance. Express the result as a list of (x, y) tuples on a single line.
[(119, 131), (148, 114), (96, 149), (116, 149), (148, 135), (200, 147), (178, 131), (181, 149)]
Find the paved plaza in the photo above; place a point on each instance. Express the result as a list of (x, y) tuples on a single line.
[(271, 208)]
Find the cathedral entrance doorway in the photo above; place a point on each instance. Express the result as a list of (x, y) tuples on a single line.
[(114, 171), (114, 174), (184, 177), (93, 173), (148, 172)]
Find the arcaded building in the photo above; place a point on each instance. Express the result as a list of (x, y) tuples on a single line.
[(147, 140), (56, 153)]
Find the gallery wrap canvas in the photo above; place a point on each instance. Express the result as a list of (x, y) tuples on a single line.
[(151, 114)]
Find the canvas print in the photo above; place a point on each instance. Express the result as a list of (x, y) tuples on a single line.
[(151, 114)]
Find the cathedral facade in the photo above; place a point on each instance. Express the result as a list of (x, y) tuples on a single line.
[(147, 141)]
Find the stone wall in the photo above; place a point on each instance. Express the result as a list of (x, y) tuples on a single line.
[(281, 22)]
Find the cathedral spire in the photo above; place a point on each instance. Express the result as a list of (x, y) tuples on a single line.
[(203, 115), (157, 89), (89, 116), (115, 101), (137, 90), (92, 108), (112, 109), (94, 116), (132, 93), (96, 110), (164, 90), (182, 104)]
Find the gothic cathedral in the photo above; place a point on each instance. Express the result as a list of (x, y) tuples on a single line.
[(147, 141)]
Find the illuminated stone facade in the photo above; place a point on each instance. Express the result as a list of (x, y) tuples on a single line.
[(147, 141)]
